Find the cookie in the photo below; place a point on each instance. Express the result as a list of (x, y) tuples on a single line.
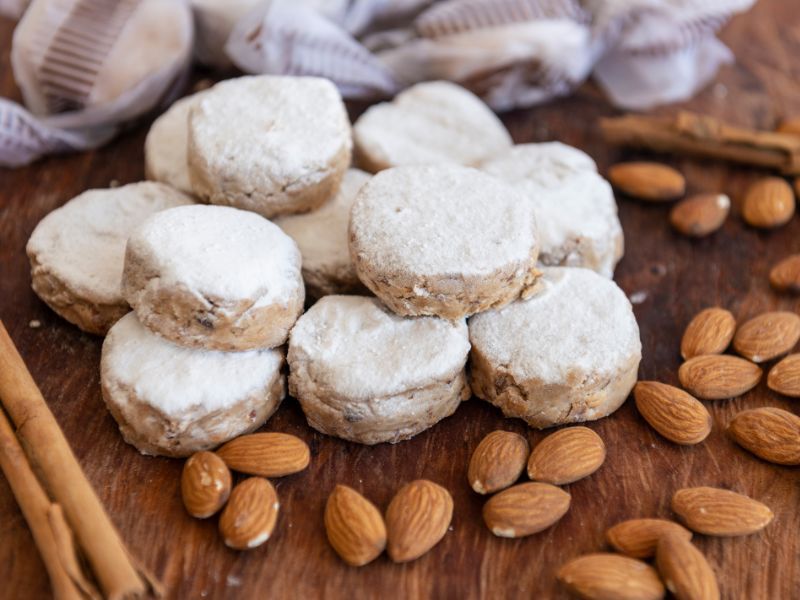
[(432, 122), (367, 375), (321, 236), (443, 240), (567, 354), (175, 401), (77, 251), (575, 207), (214, 277), (271, 144)]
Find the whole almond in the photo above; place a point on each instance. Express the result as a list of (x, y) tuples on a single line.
[(673, 413), (767, 336), (566, 456), (354, 526), (205, 484), (250, 515), (498, 461), (784, 377), (700, 215), (638, 538), (648, 181), (417, 519), (525, 509), (785, 275), (770, 433), (768, 203), (605, 576), (716, 377), (714, 511), (709, 332), (266, 454), (685, 570)]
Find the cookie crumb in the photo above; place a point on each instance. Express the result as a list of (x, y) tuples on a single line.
[(638, 297), (35, 324)]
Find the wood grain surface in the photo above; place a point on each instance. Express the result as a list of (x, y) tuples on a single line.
[(672, 278)]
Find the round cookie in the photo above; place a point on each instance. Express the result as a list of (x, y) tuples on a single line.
[(431, 122), (443, 240), (567, 354), (575, 207), (321, 236), (364, 374), (271, 144), (175, 401), (214, 277), (77, 251)]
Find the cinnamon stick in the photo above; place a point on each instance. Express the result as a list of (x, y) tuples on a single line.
[(52, 458)]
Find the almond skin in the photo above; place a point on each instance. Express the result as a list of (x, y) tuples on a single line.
[(266, 454), (709, 332), (785, 275), (717, 377), (250, 515), (685, 570), (767, 336), (604, 576), (354, 526), (673, 413), (770, 433), (784, 377), (498, 461), (205, 484), (638, 538), (700, 215), (417, 519), (525, 509), (714, 511), (650, 181), (768, 203), (567, 455)]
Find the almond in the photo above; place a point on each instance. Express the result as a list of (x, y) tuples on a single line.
[(266, 454), (354, 526), (648, 181), (784, 377), (497, 462), (638, 538), (525, 509), (684, 569), (767, 336), (205, 484), (789, 125), (716, 377), (249, 517), (611, 577), (715, 511), (768, 203), (700, 215), (673, 413), (566, 456), (770, 433), (785, 275), (709, 332), (417, 519)]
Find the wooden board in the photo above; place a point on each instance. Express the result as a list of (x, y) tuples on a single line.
[(676, 278)]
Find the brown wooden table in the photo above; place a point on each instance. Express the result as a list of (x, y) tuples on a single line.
[(677, 277)]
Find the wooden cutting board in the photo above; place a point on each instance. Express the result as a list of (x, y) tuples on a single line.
[(672, 277)]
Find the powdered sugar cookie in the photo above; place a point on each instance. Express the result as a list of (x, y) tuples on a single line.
[(575, 207), (176, 401), (271, 144), (364, 374), (77, 251), (321, 236), (569, 353), (443, 240), (430, 122), (214, 277)]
